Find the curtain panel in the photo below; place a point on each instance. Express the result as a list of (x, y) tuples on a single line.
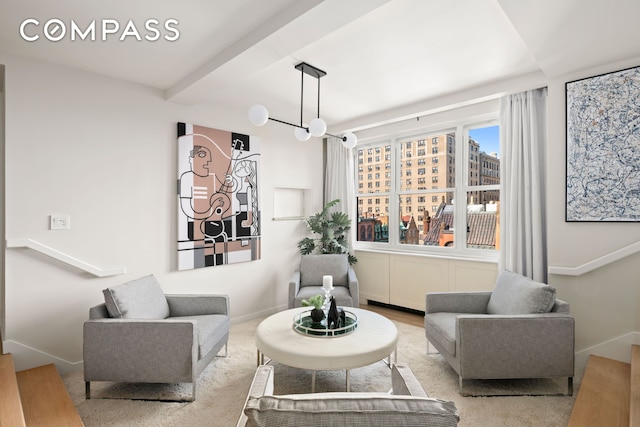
[(339, 180), (523, 223)]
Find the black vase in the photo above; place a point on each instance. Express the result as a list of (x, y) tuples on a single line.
[(317, 315)]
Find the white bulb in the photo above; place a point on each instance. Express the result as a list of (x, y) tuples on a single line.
[(258, 115), (317, 127), (301, 134), (350, 140)]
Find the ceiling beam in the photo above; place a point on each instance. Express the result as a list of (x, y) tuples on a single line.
[(270, 26), (281, 38)]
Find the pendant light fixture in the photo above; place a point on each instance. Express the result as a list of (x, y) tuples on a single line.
[(259, 115)]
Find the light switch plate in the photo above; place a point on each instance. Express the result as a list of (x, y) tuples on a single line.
[(60, 222)]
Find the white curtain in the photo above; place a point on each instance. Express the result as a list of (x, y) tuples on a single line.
[(523, 225), (339, 179)]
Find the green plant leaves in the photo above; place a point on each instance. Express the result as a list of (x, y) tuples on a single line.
[(316, 301), (332, 230)]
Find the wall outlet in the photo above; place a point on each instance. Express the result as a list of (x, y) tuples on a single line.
[(60, 222)]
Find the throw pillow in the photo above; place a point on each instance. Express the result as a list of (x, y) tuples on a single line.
[(349, 409), (139, 299), (517, 294)]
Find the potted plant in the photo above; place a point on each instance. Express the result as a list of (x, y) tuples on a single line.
[(331, 229), (317, 314)]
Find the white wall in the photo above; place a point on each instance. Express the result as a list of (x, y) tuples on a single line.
[(605, 301), (2, 180), (104, 152)]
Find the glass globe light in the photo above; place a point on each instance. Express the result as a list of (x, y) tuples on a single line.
[(317, 127), (301, 134), (349, 140), (258, 115)]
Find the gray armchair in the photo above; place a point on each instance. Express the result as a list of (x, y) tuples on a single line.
[(142, 335), (307, 280), (520, 330)]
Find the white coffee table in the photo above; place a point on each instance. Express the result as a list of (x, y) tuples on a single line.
[(375, 339)]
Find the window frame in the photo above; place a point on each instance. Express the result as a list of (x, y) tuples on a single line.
[(460, 190)]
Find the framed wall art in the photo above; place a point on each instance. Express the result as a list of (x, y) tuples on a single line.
[(218, 204), (603, 147)]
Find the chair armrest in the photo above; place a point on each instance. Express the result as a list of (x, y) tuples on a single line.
[(354, 287), (136, 350), (294, 287), (457, 302), (262, 385), (196, 305), (405, 383), (515, 346)]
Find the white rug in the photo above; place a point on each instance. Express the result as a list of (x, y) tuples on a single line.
[(222, 388)]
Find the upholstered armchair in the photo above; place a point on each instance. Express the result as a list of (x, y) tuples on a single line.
[(519, 330), (307, 279), (142, 335)]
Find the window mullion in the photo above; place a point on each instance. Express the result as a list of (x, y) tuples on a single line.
[(460, 193), (394, 215)]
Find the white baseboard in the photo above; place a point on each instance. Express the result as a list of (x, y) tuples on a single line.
[(25, 357), (257, 314), (617, 348)]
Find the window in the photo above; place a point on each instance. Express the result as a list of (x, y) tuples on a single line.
[(469, 155)]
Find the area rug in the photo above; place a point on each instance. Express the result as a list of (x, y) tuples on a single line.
[(222, 388)]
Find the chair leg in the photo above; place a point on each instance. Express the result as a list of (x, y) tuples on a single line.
[(87, 390), (193, 392), (570, 386), (225, 350)]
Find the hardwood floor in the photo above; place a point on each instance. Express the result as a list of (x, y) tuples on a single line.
[(397, 314)]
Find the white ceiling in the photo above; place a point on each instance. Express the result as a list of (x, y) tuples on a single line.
[(379, 55)]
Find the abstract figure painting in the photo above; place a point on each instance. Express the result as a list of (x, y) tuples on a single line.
[(603, 147), (218, 209)]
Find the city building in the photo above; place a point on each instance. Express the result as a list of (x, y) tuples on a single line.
[(425, 164)]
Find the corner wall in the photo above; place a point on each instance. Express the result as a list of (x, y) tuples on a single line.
[(605, 301), (104, 152)]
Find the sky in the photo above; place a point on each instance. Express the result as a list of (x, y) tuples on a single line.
[(488, 137)]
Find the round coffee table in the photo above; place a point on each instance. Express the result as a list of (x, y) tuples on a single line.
[(375, 339)]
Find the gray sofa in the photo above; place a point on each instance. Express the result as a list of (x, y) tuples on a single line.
[(407, 405), (306, 281), (519, 330), (141, 335)]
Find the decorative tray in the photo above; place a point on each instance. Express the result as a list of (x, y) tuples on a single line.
[(303, 324)]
